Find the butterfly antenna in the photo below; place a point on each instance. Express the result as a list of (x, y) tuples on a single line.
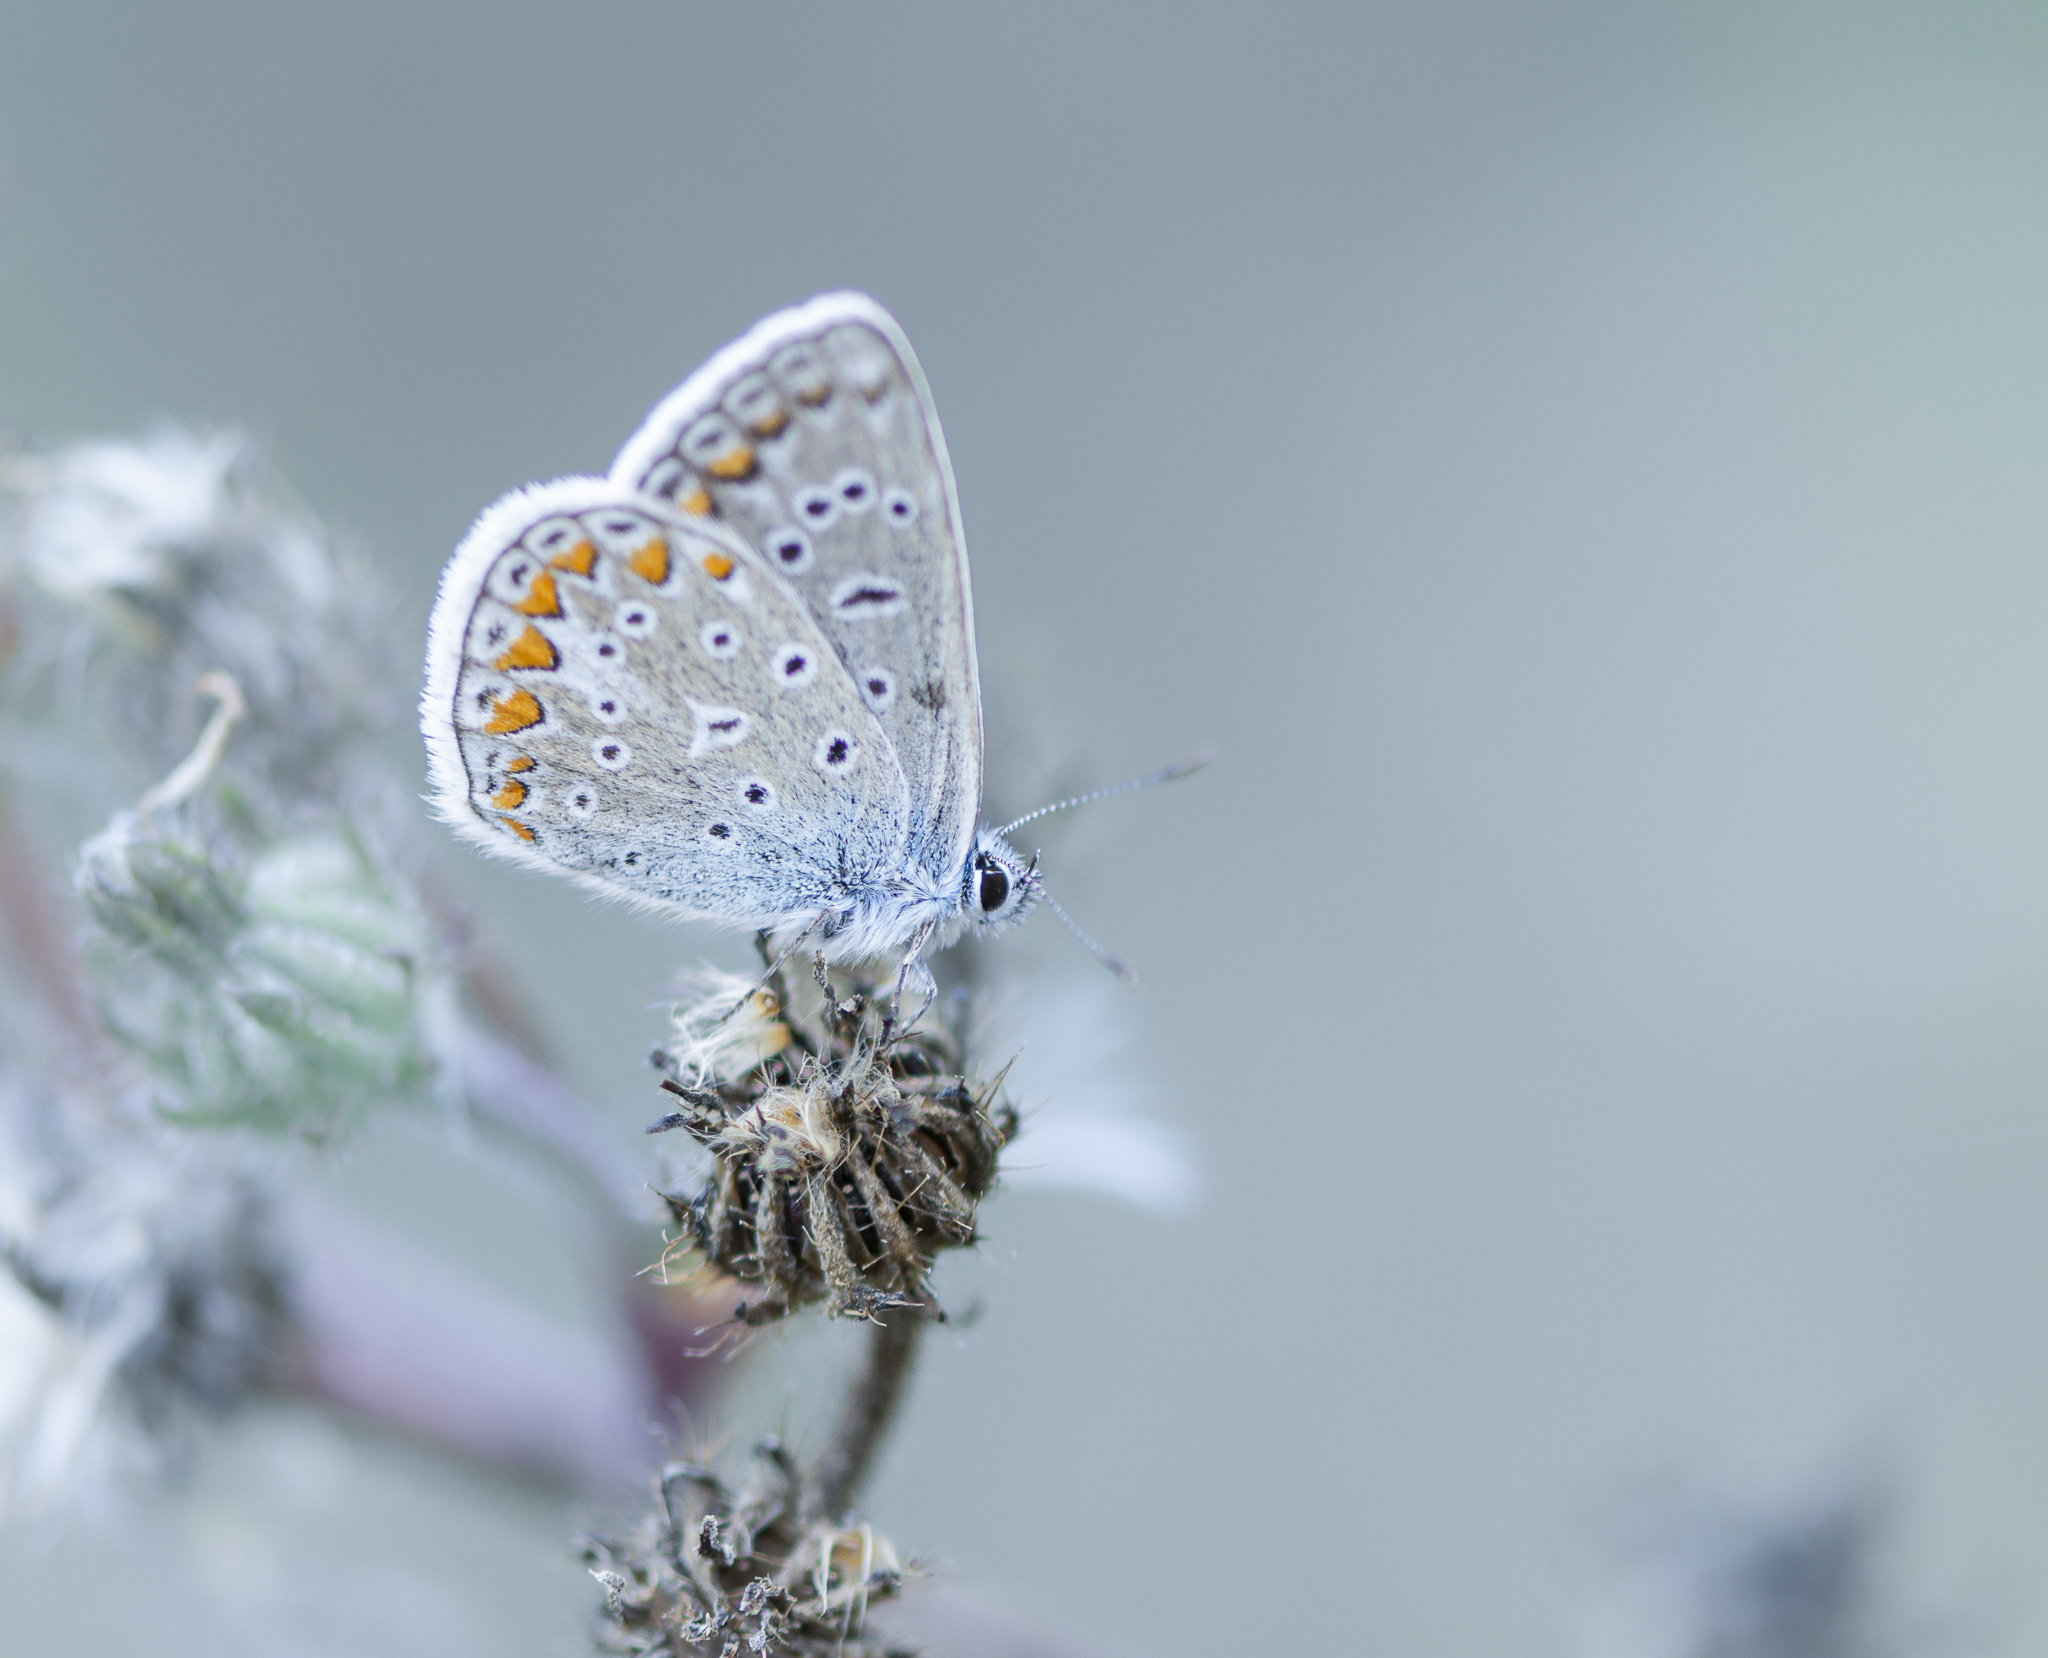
[(1180, 768), (1116, 964)]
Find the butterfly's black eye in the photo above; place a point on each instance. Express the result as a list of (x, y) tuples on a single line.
[(992, 889)]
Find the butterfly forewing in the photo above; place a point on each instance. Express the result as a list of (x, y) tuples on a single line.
[(815, 438), (635, 700)]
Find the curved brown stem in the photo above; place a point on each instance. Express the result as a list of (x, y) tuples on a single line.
[(870, 1407), (37, 929)]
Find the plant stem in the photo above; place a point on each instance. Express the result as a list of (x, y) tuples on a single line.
[(39, 932), (870, 1407)]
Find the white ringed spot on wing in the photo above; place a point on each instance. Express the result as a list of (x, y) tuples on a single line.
[(634, 619), (816, 508), (552, 536), (608, 706), (836, 751), (717, 728), (899, 508), (795, 665), (753, 402), (511, 578), (862, 358), (722, 641), (491, 629), (580, 801), (479, 694), (867, 595), (611, 754), (789, 550), (715, 445), (663, 477), (802, 374), (758, 793), (855, 488), (878, 688)]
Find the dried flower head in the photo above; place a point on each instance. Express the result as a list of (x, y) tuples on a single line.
[(710, 1571), (844, 1159), (141, 1293), (184, 553)]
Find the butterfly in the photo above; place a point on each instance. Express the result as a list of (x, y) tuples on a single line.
[(734, 679)]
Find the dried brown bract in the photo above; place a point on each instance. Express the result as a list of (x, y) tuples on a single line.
[(847, 1155), (714, 1572)]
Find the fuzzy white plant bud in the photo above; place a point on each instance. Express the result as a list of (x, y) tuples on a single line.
[(280, 986), (724, 1026), (285, 994)]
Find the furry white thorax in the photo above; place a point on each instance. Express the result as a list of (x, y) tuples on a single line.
[(914, 915)]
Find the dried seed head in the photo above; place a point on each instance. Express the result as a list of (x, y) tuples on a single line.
[(142, 1293), (784, 1131), (188, 552), (714, 1571), (844, 1160)]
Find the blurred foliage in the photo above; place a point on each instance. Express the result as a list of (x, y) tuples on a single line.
[(282, 994)]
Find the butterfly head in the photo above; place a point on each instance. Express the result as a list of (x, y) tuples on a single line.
[(998, 887)]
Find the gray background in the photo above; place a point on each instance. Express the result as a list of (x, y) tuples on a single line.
[(1582, 463)]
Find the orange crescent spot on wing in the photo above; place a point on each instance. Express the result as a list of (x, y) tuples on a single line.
[(650, 562), (579, 560), (510, 796), (517, 828), (733, 465), (770, 424), (717, 566), (541, 598), (513, 713), (697, 503), (530, 650), (522, 762)]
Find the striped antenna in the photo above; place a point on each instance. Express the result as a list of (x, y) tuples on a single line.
[(1180, 768), (1116, 964)]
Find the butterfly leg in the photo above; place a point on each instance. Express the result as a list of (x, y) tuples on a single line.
[(918, 978), (833, 1011), (915, 973), (775, 966)]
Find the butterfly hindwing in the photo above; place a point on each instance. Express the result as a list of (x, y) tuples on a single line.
[(814, 437), (632, 698)]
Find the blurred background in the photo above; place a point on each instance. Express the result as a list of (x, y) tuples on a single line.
[(1584, 466)]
